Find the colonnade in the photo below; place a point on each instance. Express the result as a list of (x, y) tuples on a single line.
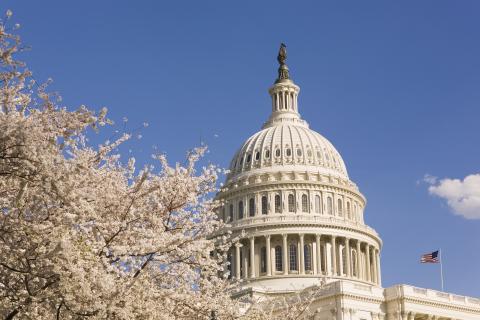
[(285, 99), (305, 254)]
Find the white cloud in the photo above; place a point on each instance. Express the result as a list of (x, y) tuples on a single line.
[(462, 196)]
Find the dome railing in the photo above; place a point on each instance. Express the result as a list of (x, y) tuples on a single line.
[(299, 218)]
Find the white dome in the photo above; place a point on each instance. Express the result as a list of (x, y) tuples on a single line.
[(287, 147)]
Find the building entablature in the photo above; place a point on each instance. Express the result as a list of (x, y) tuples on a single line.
[(327, 226)]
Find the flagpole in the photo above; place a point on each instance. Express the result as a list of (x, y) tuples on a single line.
[(441, 267)]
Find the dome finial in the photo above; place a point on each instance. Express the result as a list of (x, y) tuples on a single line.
[(283, 74)]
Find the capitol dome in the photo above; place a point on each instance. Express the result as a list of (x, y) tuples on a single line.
[(288, 146), (290, 203)]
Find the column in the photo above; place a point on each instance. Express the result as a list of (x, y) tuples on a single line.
[(347, 254), (245, 262), (319, 256), (285, 257), (237, 260), (334, 256), (252, 257), (374, 267), (358, 260), (367, 253), (379, 273), (302, 254), (269, 255)]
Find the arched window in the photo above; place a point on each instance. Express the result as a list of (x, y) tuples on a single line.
[(354, 211), (299, 152), (289, 152), (278, 207), (291, 203), (264, 205), (307, 257), (230, 211), (278, 258), (305, 203), (251, 207), (318, 204), (349, 216), (267, 154), (329, 206), (257, 155), (277, 153), (240, 210), (249, 158), (339, 207), (293, 257)]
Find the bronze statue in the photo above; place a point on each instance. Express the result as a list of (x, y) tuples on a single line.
[(283, 74), (282, 54)]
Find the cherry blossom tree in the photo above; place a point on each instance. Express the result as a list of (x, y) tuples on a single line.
[(83, 235)]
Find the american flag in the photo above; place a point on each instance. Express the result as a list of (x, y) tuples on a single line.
[(430, 257)]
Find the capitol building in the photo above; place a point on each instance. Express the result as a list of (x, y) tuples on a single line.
[(299, 221)]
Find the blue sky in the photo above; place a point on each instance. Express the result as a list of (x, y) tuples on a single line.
[(393, 85)]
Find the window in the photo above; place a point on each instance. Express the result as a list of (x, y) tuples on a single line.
[(241, 162), (267, 154), (329, 206), (224, 216), (291, 203), (278, 258), (240, 210), (229, 266), (348, 211), (263, 259), (257, 155), (339, 207), (354, 263), (249, 157), (319, 155), (277, 153), (278, 207), (264, 205), (251, 207), (242, 266), (289, 152), (230, 211), (318, 204), (307, 257), (299, 152), (305, 203), (309, 153), (293, 257)]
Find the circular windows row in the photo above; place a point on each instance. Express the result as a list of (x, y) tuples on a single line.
[(288, 153)]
